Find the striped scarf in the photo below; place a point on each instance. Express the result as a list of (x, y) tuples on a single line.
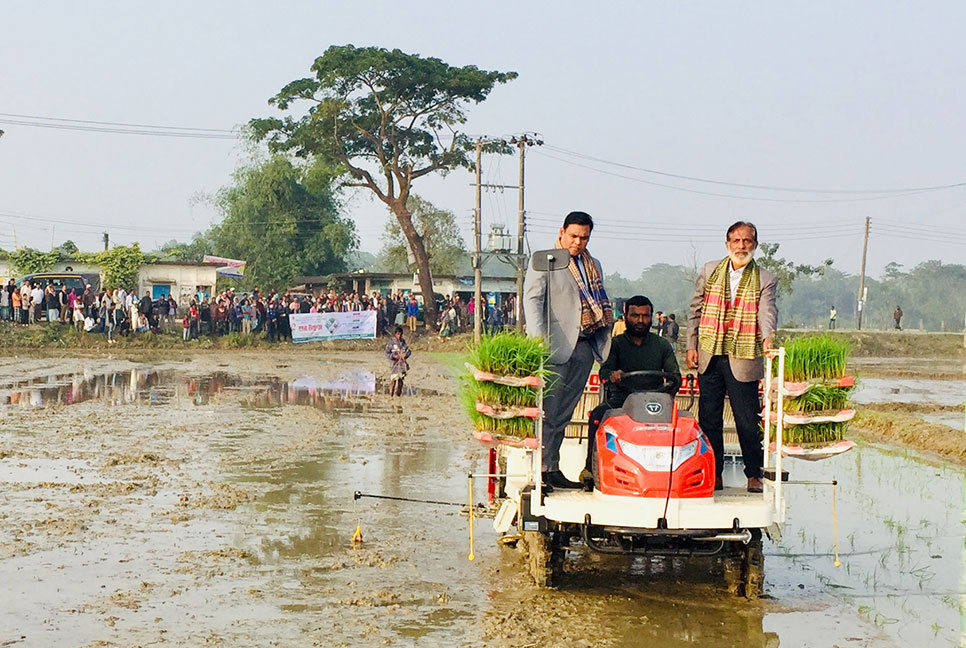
[(731, 327), (595, 308)]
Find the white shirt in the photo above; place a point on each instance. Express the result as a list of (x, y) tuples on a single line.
[(37, 296), (734, 276)]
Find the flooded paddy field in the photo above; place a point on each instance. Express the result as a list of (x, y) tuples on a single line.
[(208, 500)]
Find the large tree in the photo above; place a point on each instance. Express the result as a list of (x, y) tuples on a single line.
[(786, 271), (386, 118), (439, 232), (283, 220)]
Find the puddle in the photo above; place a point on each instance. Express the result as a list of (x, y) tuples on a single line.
[(48, 470), (345, 393), (901, 540), (909, 390)]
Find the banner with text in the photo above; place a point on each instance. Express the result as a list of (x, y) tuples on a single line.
[(313, 327)]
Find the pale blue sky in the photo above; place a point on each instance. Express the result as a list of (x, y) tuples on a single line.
[(823, 95)]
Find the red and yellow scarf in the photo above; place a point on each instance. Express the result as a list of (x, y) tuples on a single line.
[(730, 326), (595, 308)]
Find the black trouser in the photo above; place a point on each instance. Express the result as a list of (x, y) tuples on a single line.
[(567, 382), (593, 423), (714, 383)]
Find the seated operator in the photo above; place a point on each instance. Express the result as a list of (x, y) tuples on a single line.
[(636, 349)]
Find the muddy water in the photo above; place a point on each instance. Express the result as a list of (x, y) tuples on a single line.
[(209, 501), (910, 390)]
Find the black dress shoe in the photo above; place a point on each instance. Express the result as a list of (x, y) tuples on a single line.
[(718, 484), (556, 479)]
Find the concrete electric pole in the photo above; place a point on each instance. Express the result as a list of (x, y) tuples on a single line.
[(865, 249), (477, 245), (522, 143)]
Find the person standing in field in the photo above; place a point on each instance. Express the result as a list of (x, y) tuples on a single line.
[(731, 322), (897, 316), (672, 330), (412, 312), (397, 352), (832, 314)]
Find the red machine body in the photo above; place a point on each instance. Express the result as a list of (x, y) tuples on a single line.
[(634, 451)]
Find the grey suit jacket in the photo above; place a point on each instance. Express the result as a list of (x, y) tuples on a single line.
[(744, 370), (563, 327)]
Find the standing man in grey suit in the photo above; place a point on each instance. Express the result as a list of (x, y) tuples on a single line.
[(578, 331), (731, 322)]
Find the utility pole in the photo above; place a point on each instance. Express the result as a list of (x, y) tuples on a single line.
[(15, 246), (477, 244), (106, 241), (865, 249), (522, 143)]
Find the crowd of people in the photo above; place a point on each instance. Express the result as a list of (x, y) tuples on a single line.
[(110, 312), (120, 312), (456, 316)]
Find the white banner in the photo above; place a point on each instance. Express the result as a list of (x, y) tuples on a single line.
[(313, 327), (222, 261), (231, 271)]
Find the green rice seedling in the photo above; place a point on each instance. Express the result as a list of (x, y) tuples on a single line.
[(815, 357), (818, 398), (510, 354), (495, 394), (813, 434), (819, 359), (517, 428)]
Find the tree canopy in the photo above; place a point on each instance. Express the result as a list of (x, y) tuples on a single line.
[(383, 118), (440, 233), (283, 220), (785, 271)]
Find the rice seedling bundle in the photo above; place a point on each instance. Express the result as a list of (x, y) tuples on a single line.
[(819, 360), (504, 354)]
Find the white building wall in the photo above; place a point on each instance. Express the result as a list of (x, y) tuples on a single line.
[(184, 280)]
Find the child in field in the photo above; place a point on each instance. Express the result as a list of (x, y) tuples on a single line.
[(397, 352)]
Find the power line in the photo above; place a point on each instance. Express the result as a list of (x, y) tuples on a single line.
[(644, 235), (682, 223), (733, 196), (754, 186), (120, 131), (107, 123)]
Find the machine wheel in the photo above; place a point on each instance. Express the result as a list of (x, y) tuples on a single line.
[(732, 570), (753, 567), (544, 558), (594, 469)]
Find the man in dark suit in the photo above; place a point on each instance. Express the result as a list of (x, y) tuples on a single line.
[(731, 322), (578, 330)]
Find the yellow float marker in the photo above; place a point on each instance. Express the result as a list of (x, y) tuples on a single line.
[(471, 555)]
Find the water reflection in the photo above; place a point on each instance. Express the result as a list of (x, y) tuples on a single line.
[(351, 391)]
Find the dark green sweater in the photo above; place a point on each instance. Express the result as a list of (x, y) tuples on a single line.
[(654, 353)]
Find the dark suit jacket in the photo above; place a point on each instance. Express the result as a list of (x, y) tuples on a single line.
[(744, 370)]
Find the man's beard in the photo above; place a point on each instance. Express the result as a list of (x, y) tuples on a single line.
[(638, 331), (740, 257)]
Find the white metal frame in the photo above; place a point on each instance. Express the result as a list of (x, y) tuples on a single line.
[(717, 512)]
